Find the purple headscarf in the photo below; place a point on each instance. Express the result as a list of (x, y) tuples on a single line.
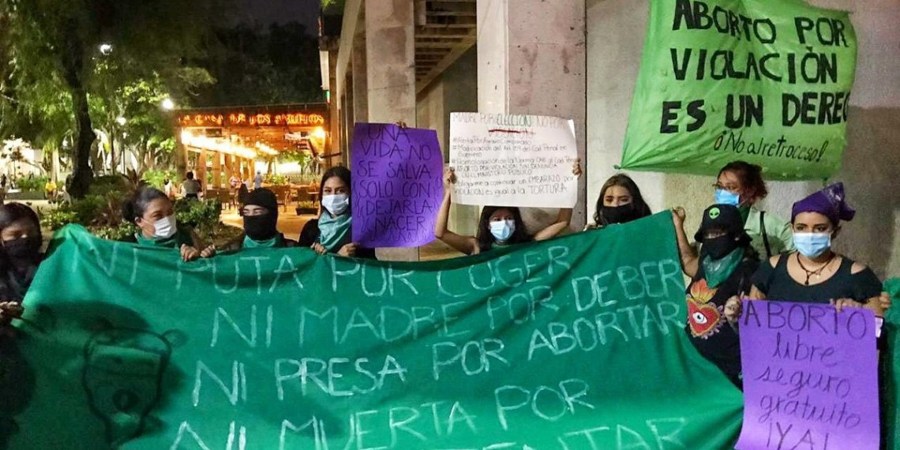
[(828, 202)]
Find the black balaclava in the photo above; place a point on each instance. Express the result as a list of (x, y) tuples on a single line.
[(264, 227)]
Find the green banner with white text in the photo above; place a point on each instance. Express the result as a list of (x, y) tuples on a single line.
[(573, 343), (767, 82)]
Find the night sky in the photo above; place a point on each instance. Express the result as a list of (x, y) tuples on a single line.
[(264, 12)]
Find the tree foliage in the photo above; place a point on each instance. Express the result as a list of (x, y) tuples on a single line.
[(56, 66), (256, 66)]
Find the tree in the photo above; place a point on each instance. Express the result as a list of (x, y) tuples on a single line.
[(278, 65), (60, 42)]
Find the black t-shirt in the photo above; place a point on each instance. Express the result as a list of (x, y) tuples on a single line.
[(310, 235), (777, 284), (706, 325)]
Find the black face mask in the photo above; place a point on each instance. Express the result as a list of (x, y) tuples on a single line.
[(619, 214), (22, 248), (718, 248), (261, 228)]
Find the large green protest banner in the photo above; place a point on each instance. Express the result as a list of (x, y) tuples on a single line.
[(573, 343), (764, 81)]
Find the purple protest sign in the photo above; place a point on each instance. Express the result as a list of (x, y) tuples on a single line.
[(810, 377), (397, 185)]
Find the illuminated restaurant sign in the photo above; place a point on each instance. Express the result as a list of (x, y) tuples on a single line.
[(244, 119)]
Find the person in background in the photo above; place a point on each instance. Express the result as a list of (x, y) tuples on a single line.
[(50, 190), (169, 189), (620, 201), (498, 226), (741, 184), (260, 214), (20, 255), (331, 232), (234, 181), (153, 213), (257, 180), (815, 273), (190, 188), (727, 264)]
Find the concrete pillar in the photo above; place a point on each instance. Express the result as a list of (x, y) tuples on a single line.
[(217, 170), (200, 173), (391, 83), (360, 98), (531, 60)]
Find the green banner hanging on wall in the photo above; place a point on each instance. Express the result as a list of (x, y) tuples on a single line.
[(575, 343), (761, 81)]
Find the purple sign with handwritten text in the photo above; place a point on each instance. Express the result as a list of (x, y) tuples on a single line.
[(810, 377), (397, 185)]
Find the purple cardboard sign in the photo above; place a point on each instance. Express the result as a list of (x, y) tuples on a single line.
[(810, 377), (397, 185)]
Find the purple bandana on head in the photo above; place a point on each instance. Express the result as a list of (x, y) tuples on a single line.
[(829, 202)]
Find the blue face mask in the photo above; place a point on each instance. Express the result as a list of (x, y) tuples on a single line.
[(812, 245), (502, 229), (726, 197)]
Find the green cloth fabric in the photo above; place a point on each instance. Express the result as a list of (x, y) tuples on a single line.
[(781, 238), (708, 93), (333, 230), (718, 270), (275, 242), (330, 352)]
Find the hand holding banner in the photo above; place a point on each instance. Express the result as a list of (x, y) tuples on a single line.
[(810, 377), (513, 160), (397, 185)]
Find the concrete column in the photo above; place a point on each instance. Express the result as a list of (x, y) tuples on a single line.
[(390, 76), (217, 169), (360, 106), (200, 173), (531, 60)]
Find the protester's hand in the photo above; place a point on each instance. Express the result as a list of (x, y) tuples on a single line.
[(449, 179), (733, 309), (10, 310), (318, 248), (189, 253), (576, 168), (885, 301), (678, 216), (208, 252), (401, 124), (348, 250), (842, 303)]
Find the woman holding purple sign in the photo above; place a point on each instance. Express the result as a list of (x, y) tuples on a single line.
[(498, 226), (815, 273), (331, 232)]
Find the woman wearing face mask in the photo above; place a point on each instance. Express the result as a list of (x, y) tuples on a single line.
[(331, 232), (815, 273), (260, 214), (741, 184), (620, 201), (727, 264), (154, 215), (498, 226), (20, 233)]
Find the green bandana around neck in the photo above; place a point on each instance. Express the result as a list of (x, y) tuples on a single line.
[(333, 230), (717, 271), (275, 242)]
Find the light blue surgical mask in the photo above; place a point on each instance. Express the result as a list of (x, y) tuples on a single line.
[(502, 230), (726, 197), (812, 245), (336, 204)]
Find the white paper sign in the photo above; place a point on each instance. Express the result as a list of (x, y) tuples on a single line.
[(513, 160)]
